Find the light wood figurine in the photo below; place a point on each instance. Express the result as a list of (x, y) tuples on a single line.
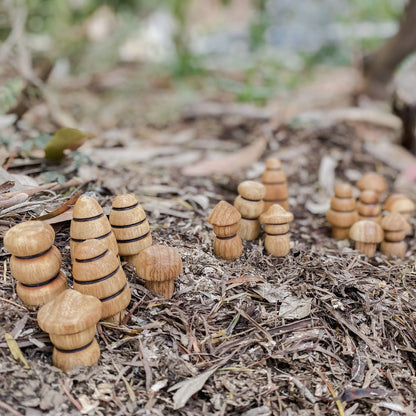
[(368, 206), (130, 226), (274, 180), (366, 234), (97, 272), (35, 262), (225, 219), (394, 226), (71, 319), (250, 204)]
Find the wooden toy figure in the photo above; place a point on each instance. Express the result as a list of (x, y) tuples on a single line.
[(130, 226), (342, 214), (404, 206), (35, 262), (159, 265), (97, 272), (372, 181), (90, 222), (276, 225), (274, 180), (368, 206), (71, 319), (250, 205), (366, 234), (224, 219), (394, 226)]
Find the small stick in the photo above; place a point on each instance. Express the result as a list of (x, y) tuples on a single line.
[(74, 401), (13, 303), (9, 408), (338, 402)]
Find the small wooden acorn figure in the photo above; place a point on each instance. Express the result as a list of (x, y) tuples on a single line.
[(342, 214), (276, 225), (35, 262), (97, 272), (274, 180), (159, 265), (366, 234), (394, 226), (71, 319), (368, 206), (90, 222), (404, 206), (225, 219), (130, 226), (372, 181), (250, 205)]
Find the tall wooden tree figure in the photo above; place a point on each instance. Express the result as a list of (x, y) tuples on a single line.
[(35, 262), (274, 180)]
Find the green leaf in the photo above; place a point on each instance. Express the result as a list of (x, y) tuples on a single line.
[(52, 176), (65, 138)]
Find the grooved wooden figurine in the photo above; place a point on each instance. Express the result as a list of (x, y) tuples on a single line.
[(159, 265), (394, 226), (404, 206), (366, 234), (224, 219), (368, 206), (276, 225), (250, 205), (372, 181), (342, 214), (35, 262), (90, 222), (274, 180), (97, 272), (130, 226), (71, 319)]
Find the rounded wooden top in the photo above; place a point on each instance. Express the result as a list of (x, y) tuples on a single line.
[(86, 207), (273, 163), (29, 238), (224, 214), (403, 205), (68, 313), (373, 181), (369, 197), (366, 231), (394, 222), (276, 215), (343, 190), (124, 201), (252, 190), (158, 263), (90, 249), (392, 199)]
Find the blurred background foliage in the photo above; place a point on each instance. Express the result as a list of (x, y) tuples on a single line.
[(270, 44)]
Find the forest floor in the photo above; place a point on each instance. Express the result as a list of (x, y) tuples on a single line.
[(323, 330)]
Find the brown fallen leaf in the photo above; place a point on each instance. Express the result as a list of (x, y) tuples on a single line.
[(228, 164), (63, 208)]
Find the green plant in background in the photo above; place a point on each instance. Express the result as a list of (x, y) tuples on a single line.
[(259, 25)]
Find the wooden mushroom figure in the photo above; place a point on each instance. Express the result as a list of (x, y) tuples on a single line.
[(159, 265), (274, 180), (404, 206), (368, 206), (342, 213), (97, 272), (394, 226), (89, 222), (35, 262), (372, 181), (225, 219), (130, 226), (249, 204), (366, 234), (276, 225), (71, 319)]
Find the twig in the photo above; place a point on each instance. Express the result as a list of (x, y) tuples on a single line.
[(13, 303), (74, 401), (146, 366), (333, 393), (252, 321), (10, 409)]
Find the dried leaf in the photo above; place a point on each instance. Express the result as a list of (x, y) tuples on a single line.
[(16, 351), (295, 308), (228, 164), (64, 207), (66, 138), (187, 388)]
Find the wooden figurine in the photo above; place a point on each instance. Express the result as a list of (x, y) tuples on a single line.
[(368, 206), (274, 180), (71, 319), (225, 219), (394, 226), (130, 226), (35, 262), (342, 214), (392, 198), (276, 225), (250, 205), (89, 222), (404, 206), (159, 265), (97, 272), (372, 181), (366, 234)]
